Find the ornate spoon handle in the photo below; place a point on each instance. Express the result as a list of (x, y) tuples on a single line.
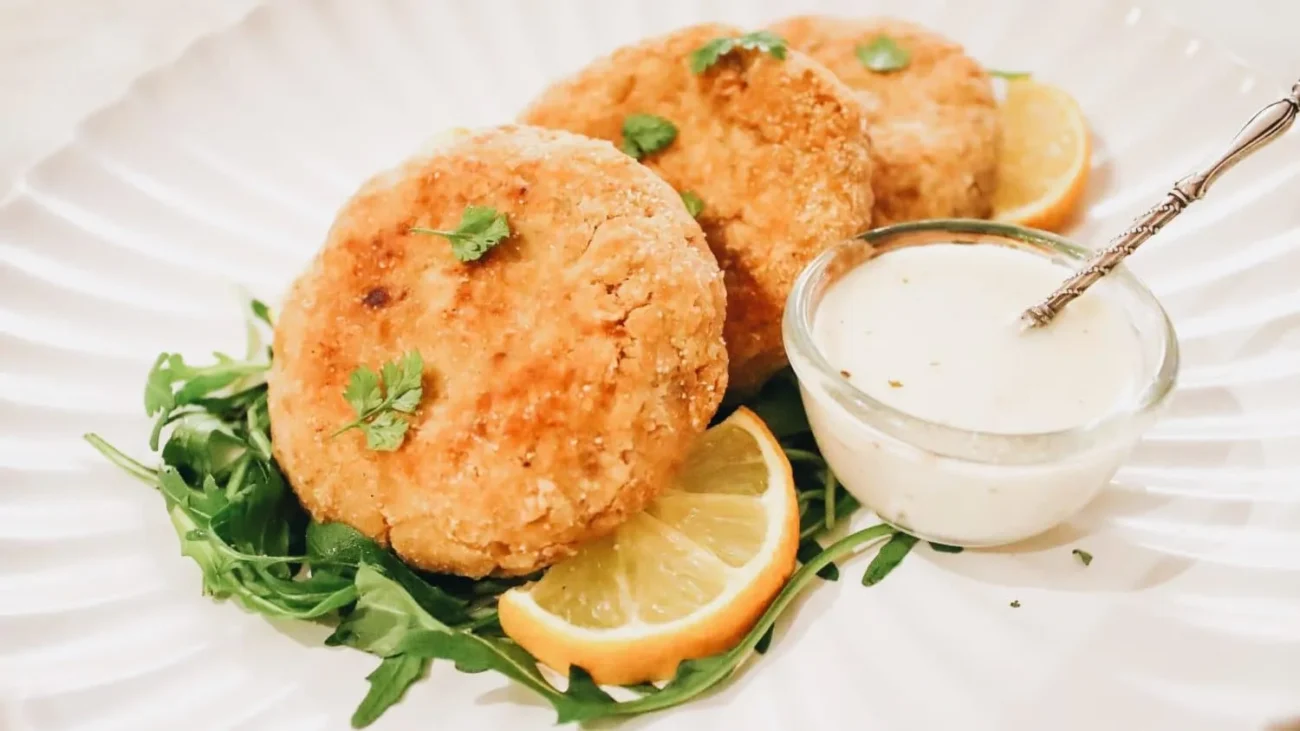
[(1267, 125)]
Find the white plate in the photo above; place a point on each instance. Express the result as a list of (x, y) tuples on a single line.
[(225, 168)]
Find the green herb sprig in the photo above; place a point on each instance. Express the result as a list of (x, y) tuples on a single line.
[(646, 134), (710, 53), (694, 204), (480, 229), (383, 408), (883, 55)]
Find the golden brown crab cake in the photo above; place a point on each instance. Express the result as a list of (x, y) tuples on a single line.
[(566, 373), (776, 149), (934, 123)]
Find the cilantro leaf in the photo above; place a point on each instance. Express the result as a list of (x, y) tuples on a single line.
[(385, 432), (883, 54), (480, 229), (710, 53), (646, 134), (1008, 75), (388, 683), (1084, 557), (379, 406), (694, 204), (363, 393), (889, 556)]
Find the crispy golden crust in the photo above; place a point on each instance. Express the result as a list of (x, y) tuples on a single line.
[(776, 149), (934, 124), (566, 373)]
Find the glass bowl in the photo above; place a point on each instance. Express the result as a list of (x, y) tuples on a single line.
[(958, 486)]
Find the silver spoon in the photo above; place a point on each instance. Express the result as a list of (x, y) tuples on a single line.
[(1267, 125)]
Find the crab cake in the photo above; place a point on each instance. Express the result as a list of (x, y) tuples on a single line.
[(566, 372), (934, 123), (777, 151)]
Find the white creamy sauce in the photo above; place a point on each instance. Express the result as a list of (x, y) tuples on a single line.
[(933, 331)]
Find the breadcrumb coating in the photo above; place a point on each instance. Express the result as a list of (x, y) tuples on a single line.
[(934, 124), (567, 373), (777, 150)]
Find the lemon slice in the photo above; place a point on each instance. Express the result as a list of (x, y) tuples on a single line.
[(1045, 158), (687, 578)]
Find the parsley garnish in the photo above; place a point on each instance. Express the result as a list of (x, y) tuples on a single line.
[(694, 204), (1083, 556), (646, 134), (760, 40), (480, 228), (1008, 75), (379, 414), (883, 54)]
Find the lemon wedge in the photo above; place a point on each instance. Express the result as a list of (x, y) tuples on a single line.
[(685, 579), (1045, 158)]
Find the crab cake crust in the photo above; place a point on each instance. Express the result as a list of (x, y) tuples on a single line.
[(934, 124), (566, 374), (777, 150)]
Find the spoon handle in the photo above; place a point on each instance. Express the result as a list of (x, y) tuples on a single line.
[(1267, 125)]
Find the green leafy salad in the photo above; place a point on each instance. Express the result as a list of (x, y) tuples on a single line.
[(237, 518)]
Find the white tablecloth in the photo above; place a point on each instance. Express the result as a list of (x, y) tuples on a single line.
[(62, 59)]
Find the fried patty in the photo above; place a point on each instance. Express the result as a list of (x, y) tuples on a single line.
[(934, 123), (776, 149), (566, 373)]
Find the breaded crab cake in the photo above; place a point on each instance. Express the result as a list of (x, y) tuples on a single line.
[(566, 372), (776, 149), (934, 122)]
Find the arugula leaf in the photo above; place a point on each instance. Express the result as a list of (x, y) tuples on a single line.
[(888, 558), (1008, 75), (883, 54), (480, 229), (388, 683), (261, 312), (132, 467), (378, 412), (646, 134), (388, 622), (1084, 557), (780, 406), (762, 40), (945, 548), (810, 549), (694, 204)]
